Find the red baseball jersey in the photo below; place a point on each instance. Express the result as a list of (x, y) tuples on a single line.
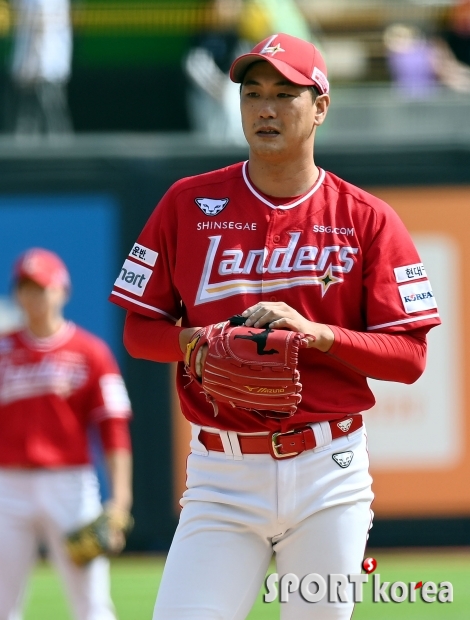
[(215, 245), (51, 390)]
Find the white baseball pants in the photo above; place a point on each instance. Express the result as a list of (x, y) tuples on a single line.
[(38, 505), (310, 512)]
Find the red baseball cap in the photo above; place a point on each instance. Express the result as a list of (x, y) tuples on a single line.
[(43, 267), (297, 60)]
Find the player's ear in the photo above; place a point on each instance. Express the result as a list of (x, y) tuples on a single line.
[(67, 295), (63, 296), (322, 103)]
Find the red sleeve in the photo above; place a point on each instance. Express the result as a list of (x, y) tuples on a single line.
[(152, 339), (388, 357), (398, 296), (114, 433), (145, 283)]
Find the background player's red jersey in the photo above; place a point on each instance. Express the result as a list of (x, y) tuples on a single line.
[(337, 254), (51, 391)]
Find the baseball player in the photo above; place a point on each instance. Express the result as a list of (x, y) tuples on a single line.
[(56, 382), (288, 246)]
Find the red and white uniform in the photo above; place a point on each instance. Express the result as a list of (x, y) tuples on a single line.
[(338, 255), (213, 247), (52, 390)]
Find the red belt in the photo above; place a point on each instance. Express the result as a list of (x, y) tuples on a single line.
[(283, 445)]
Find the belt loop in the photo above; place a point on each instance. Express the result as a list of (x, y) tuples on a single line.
[(323, 437), (224, 437), (235, 444), (326, 428)]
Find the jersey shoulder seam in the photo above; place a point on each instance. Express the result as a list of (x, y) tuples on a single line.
[(201, 180), (329, 177)]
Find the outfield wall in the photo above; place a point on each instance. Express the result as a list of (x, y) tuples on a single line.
[(88, 198)]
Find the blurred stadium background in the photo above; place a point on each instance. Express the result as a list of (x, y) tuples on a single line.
[(399, 124)]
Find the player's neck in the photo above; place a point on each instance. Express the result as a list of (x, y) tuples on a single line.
[(282, 179), (45, 327)]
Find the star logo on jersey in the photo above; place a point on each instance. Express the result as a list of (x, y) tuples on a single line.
[(343, 459), (211, 206), (327, 280), (272, 49)]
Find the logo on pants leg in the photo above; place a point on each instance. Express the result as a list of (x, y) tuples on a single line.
[(343, 458)]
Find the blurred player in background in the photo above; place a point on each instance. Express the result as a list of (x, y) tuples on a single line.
[(40, 68), (57, 381), (419, 63), (213, 107), (210, 97)]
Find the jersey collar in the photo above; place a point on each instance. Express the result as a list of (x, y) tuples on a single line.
[(306, 196), (50, 343)]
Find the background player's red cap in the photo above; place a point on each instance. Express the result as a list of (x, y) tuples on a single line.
[(297, 60), (43, 267)]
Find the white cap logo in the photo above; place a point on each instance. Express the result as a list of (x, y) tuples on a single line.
[(272, 49)]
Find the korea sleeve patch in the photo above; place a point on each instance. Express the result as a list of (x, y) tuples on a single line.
[(417, 297), (145, 255), (133, 278), (410, 272)]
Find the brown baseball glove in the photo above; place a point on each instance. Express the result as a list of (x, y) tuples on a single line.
[(105, 535), (254, 369)]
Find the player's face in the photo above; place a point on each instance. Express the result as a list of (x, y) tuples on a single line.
[(279, 117), (39, 303)]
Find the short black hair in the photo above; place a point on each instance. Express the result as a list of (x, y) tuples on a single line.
[(314, 92)]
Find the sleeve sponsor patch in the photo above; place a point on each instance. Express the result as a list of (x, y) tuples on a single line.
[(133, 278), (115, 397), (417, 297), (145, 255), (410, 272)]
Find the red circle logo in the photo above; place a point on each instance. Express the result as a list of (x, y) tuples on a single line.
[(369, 565)]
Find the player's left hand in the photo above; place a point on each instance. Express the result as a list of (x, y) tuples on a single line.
[(278, 315), (119, 521)]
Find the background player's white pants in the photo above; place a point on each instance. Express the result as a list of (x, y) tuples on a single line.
[(313, 514), (41, 505)]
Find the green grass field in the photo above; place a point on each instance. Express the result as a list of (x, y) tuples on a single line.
[(135, 582)]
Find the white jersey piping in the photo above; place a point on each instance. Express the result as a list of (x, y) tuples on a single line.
[(418, 318), (140, 303), (318, 182)]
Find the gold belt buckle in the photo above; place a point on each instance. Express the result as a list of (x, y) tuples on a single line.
[(275, 446)]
